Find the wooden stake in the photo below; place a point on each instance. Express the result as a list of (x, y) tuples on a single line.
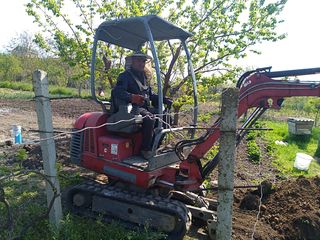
[(43, 109), (226, 163)]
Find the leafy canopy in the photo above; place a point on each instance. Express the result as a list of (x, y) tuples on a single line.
[(223, 30)]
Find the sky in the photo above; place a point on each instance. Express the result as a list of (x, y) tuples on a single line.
[(301, 48)]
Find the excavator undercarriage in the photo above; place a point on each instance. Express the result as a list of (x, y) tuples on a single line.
[(139, 209)]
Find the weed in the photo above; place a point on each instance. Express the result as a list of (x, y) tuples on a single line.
[(210, 154), (205, 117), (253, 151), (22, 154)]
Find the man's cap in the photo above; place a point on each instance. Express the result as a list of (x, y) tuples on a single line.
[(141, 55)]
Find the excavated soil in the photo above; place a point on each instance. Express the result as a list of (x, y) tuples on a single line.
[(288, 210)]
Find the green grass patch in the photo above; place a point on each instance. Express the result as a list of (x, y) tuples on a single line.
[(22, 90), (26, 196), (55, 93), (23, 86), (6, 93), (284, 156)]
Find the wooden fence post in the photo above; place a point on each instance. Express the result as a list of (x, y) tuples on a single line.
[(43, 109), (226, 163)]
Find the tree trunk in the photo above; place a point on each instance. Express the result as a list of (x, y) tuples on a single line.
[(176, 110), (80, 89)]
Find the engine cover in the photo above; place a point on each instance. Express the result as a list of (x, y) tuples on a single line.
[(115, 148)]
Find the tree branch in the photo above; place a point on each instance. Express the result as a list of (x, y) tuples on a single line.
[(169, 72), (84, 15), (183, 81)]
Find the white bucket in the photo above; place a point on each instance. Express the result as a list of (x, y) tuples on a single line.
[(302, 161), (17, 134)]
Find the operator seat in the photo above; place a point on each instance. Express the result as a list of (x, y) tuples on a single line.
[(124, 117)]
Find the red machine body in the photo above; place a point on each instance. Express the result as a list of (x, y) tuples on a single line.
[(104, 152), (109, 153)]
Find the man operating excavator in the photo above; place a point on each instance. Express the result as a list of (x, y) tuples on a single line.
[(132, 88)]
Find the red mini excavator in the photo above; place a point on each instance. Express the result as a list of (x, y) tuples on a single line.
[(160, 191)]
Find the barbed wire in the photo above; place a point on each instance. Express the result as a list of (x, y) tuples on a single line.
[(155, 116), (62, 133)]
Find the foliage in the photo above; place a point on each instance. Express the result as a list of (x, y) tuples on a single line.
[(10, 67), (19, 69), (305, 104), (22, 154), (205, 117), (253, 149), (222, 30)]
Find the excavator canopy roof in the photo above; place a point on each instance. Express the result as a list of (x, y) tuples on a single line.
[(131, 32)]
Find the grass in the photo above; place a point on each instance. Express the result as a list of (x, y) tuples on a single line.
[(26, 196), (23, 86), (284, 156), (20, 90), (6, 93)]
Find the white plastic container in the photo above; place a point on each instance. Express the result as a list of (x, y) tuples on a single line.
[(17, 134), (302, 161)]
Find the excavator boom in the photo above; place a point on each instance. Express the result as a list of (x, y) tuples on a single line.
[(258, 89)]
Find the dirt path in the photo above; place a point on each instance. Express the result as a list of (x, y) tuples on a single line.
[(22, 112)]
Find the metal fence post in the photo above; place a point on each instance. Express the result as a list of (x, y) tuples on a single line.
[(226, 164), (43, 109)]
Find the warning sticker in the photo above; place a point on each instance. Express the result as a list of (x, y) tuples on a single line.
[(114, 149)]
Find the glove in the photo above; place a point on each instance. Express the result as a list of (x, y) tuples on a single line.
[(137, 99), (168, 102)]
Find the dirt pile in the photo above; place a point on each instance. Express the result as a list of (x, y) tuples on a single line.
[(293, 210)]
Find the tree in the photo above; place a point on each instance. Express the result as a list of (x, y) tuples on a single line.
[(24, 49), (10, 67), (23, 46), (222, 30)]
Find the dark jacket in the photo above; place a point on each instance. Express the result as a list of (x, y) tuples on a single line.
[(127, 85)]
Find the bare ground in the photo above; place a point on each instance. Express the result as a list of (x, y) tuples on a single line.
[(289, 211)]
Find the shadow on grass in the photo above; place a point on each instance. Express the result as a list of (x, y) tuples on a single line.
[(301, 141)]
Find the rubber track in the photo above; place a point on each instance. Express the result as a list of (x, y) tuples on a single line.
[(148, 201)]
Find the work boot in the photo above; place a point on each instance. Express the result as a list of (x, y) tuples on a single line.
[(146, 154)]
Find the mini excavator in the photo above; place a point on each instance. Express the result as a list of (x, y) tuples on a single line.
[(161, 192)]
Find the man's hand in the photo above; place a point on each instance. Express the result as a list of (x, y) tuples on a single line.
[(137, 99)]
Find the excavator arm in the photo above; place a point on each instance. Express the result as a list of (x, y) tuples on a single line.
[(259, 89)]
